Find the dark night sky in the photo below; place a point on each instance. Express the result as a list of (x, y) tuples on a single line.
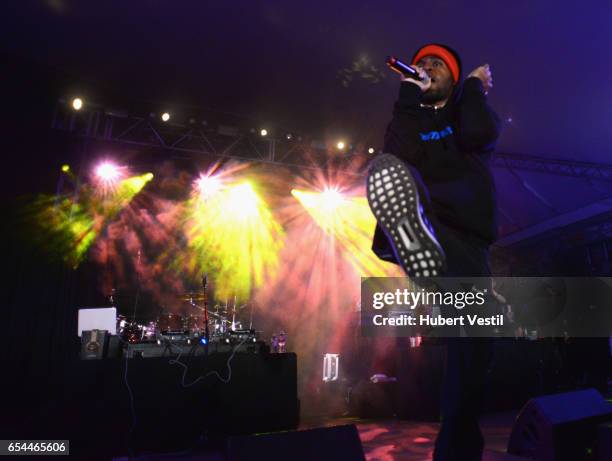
[(278, 61)]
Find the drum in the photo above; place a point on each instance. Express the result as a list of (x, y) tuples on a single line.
[(132, 333), (150, 331), (220, 326), (170, 323), (195, 324), (121, 323)]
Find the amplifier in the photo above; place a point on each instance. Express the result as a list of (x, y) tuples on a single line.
[(151, 349), (93, 344)]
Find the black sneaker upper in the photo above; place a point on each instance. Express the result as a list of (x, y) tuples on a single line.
[(450, 148)]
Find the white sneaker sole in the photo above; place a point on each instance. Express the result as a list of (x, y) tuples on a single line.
[(394, 199)]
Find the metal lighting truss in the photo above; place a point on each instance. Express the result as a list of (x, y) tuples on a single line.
[(224, 141)]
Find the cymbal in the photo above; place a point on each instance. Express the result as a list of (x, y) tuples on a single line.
[(193, 296), (210, 314)]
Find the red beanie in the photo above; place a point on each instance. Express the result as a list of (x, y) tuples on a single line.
[(445, 53)]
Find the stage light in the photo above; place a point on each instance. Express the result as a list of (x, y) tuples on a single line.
[(77, 223), (331, 367), (247, 248), (332, 198), (208, 186), (165, 116), (340, 145), (325, 207), (264, 132), (77, 103), (289, 136), (371, 150), (421, 440), (203, 341), (242, 201), (343, 214), (108, 172)]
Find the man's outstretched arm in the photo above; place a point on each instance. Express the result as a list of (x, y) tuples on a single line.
[(480, 126)]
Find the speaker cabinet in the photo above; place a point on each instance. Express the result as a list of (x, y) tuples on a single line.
[(321, 444), (93, 344), (561, 427)]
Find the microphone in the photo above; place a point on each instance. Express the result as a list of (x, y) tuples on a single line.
[(401, 67)]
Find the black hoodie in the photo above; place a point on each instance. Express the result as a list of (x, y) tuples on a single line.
[(450, 148)]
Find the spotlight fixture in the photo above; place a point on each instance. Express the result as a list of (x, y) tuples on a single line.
[(332, 198), (108, 172), (371, 150), (340, 145), (242, 201), (207, 185), (165, 116), (65, 168), (77, 103), (264, 132)]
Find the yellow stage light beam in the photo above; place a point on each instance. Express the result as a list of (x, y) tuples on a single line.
[(236, 238), (349, 221)]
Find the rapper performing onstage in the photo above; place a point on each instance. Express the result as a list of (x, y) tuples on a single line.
[(231, 264), (434, 199)]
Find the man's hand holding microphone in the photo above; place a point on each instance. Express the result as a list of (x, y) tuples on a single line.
[(425, 80)]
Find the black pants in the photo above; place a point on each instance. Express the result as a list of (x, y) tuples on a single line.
[(463, 392), (467, 358)]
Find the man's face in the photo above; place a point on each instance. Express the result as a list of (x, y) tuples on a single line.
[(441, 79)]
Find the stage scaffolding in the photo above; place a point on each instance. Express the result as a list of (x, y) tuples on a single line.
[(220, 141), (217, 141)]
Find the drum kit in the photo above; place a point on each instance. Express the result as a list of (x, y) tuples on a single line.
[(190, 324)]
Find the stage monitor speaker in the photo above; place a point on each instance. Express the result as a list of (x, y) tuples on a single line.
[(561, 427), (604, 442), (322, 444)]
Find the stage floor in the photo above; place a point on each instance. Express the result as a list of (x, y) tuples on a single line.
[(394, 440)]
